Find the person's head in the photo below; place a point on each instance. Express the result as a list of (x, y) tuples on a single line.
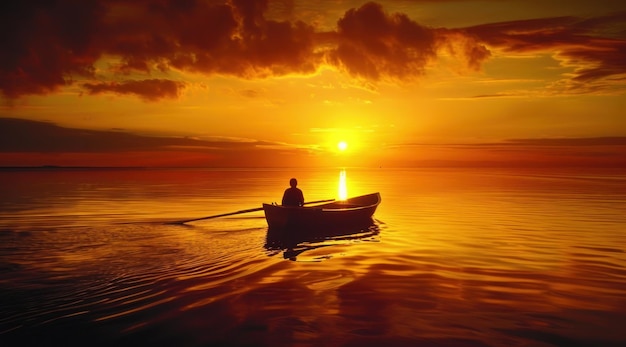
[(293, 182)]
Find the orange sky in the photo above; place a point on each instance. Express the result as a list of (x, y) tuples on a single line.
[(280, 83)]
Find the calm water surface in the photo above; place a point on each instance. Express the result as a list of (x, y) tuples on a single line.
[(455, 257)]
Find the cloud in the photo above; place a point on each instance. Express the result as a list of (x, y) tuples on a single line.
[(592, 152), (250, 93), (35, 143), (538, 142), (592, 47), (48, 45), (465, 47), (32, 136), (586, 141), (152, 89), (373, 44), (43, 44), (228, 38)]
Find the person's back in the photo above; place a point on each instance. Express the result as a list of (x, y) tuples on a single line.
[(293, 196)]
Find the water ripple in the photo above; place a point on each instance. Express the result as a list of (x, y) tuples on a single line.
[(455, 258)]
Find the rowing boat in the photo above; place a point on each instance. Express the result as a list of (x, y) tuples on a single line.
[(344, 213)]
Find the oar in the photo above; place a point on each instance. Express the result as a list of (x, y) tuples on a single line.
[(237, 212)]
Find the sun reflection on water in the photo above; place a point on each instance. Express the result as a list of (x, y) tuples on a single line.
[(343, 187)]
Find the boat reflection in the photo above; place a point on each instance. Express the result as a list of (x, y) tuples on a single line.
[(293, 242)]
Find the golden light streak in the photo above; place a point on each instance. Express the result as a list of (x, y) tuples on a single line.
[(343, 187)]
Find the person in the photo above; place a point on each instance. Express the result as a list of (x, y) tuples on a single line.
[(293, 196)]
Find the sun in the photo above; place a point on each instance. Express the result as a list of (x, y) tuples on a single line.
[(342, 145)]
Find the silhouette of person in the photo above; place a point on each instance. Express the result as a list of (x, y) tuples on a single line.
[(293, 196)]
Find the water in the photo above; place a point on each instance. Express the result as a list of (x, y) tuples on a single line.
[(456, 257)]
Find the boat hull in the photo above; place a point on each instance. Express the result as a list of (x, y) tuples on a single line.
[(348, 213)]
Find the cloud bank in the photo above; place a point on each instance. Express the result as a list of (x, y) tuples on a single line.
[(49, 45), (42, 137), (150, 89), (35, 143)]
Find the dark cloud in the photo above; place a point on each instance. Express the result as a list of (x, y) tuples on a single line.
[(595, 47), (44, 43), (587, 141), (250, 93), (49, 44), (373, 44), (228, 38), (609, 152), (152, 89), (34, 143), (539, 142), (41, 137)]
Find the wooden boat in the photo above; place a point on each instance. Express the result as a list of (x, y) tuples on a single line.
[(344, 213)]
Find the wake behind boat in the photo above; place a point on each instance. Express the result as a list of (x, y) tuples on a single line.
[(345, 213)]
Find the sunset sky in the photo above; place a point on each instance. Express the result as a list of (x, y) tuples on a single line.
[(281, 83)]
